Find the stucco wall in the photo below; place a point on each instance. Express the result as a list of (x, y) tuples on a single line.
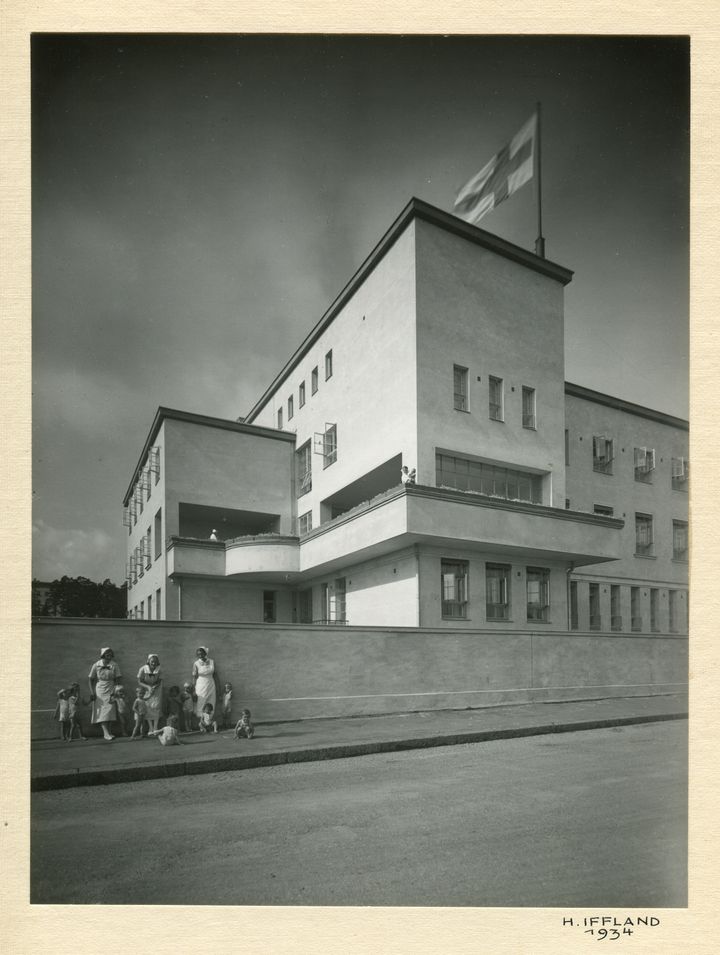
[(293, 672)]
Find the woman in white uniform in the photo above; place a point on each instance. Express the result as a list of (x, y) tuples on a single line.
[(104, 676), (203, 673)]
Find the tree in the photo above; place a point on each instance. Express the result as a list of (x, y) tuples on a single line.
[(80, 597)]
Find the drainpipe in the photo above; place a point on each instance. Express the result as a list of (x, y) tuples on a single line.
[(567, 595)]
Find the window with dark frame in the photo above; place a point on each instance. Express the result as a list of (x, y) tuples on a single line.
[(654, 610), (454, 588), (528, 409), (538, 594), (330, 446), (303, 469), (269, 606), (328, 365), (636, 623), (291, 407), (680, 540), (314, 380), (643, 535), (680, 473), (495, 398), (616, 622), (280, 419), (603, 454), (460, 388), (305, 522), (301, 394), (497, 591), (644, 459), (463, 474), (594, 606)]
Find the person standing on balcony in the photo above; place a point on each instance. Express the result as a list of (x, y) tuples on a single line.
[(103, 677), (150, 678), (213, 536), (204, 685), (407, 476)]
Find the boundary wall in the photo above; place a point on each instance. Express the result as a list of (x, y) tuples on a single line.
[(293, 671)]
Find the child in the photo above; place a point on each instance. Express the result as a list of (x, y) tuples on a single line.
[(207, 720), (168, 735), (227, 706), (139, 708), (174, 704), (188, 705), (62, 714), (75, 704), (245, 727), (123, 710)]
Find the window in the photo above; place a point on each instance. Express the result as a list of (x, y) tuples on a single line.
[(291, 407), (603, 454), (141, 611), (574, 624), (636, 623), (334, 597), (672, 611), (314, 380), (155, 463), (147, 481), (305, 522), (567, 503), (463, 474), (147, 556), (654, 610), (680, 470), (460, 388), (269, 606), (643, 535), (303, 470), (615, 610), (680, 540), (454, 588), (567, 447), (496, 399), (328, 365), (538, 594), (330, 446), (280, 418), (528, 408), (497, 592), (301, 394), (644, 464), (594, 601), (305, 606), (158, 533), (158, 612), (150, 607), (603, 510)]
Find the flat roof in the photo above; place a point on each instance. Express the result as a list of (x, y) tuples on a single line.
[(415, 209), (578, 391), (206, 421)]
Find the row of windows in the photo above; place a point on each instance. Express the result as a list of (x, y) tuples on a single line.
[(496, 398), (138, 611), (603, 456), (645, 538), (463, 474), (314, 379), (142, 491), (142, 556), (676, 612), (455, 591)]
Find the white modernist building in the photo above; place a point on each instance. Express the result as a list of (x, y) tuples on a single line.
[(536, 503)]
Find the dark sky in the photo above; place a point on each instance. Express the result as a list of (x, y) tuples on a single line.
[(198, 201)]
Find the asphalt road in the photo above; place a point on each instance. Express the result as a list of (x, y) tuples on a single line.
[(584, 819)]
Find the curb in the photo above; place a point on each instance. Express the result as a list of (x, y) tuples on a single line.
[(126, 774)]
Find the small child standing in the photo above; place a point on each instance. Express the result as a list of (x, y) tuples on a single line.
[(75, 705), (207, 719), (62, 714), (245, 727), (123, 710), (139, 708), (227, 705), (188, 706), (174, 706), (168, 735)]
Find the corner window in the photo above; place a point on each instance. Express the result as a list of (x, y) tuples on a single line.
[(330, 446), (303, 470), (314, 380), (305, 522), (644, 464), (538, 594), (328, 365), (454, 588), (497, 592), (460, 388), (643, 535), (495, 399), (603, 454), (528, 408), (301, 394), (680, 540)]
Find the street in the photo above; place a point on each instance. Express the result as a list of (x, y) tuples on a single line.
[(579, 819)]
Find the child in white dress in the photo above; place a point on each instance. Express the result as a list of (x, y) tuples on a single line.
[(62, 714), (168, 735), (227, 705), (208, 723), (188, 706), (139, 708), (245, 727), (75, 706)]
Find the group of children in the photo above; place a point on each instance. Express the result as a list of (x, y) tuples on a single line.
[(180, 712)]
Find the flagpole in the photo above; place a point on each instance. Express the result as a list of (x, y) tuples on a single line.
[(540, 241)]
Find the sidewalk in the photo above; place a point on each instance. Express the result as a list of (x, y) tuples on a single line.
[(58, 765)]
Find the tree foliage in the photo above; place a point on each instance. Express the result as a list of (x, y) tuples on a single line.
[(80, 597)]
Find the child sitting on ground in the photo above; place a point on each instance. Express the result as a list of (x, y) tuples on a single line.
[(139, 708), (188, 706), (168, 735), (174, 705), (62, 714), (245, 727), (75, 705), (123, 710), (227, 705), (208, 722)]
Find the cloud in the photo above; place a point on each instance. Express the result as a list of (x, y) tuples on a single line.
[(73, 552)]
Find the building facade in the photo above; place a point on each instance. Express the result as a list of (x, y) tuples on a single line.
[(535, 503)]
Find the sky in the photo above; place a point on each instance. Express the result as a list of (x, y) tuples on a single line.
[(199, 201)]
